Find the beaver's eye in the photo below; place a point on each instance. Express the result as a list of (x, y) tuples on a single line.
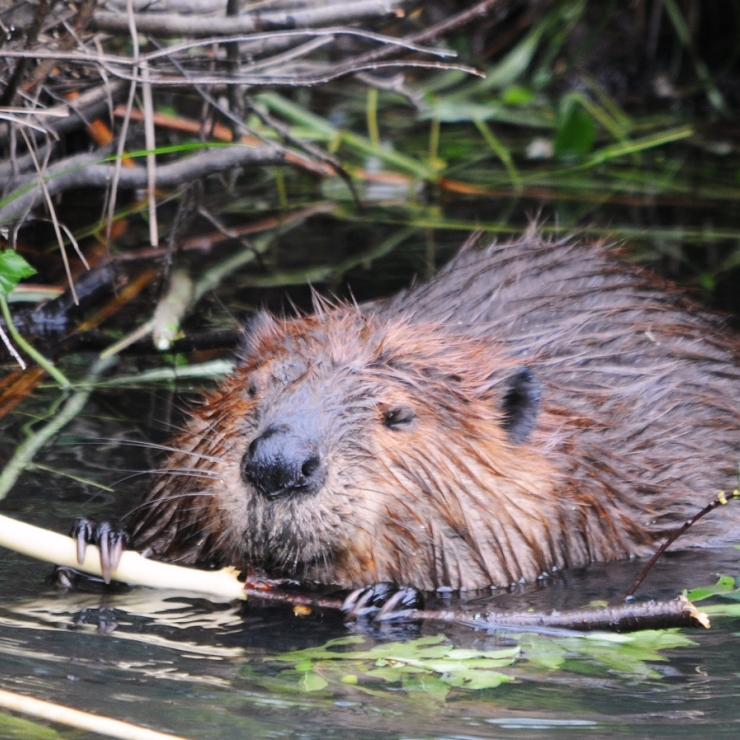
[(251, 390), (398, 417)]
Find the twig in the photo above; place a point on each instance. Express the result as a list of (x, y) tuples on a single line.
[(134, 569), (187, 47), (427, 35), (326, 73), (86, 171), (624, 618), (52, 214), (170, 310), (51, 712), (284, 132), (721, 500), (13, 351), (151, 157), (113, 192), (165, 24)]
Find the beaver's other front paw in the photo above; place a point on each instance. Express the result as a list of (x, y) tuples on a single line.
[(110, 539), (383, 602)]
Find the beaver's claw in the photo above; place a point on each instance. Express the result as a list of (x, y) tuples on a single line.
[(111, 541), (383, 602)]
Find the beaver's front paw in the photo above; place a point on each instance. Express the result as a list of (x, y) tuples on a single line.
[(383, 602), (110, 539)]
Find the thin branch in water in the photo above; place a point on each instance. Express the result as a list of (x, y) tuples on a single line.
[(721, 499), (315, 151), (624, 618), (50, 712)]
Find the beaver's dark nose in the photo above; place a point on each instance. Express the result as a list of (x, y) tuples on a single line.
[(281, 463)]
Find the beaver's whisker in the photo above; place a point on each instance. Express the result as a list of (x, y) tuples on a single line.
[(142, 443), (168, 499)]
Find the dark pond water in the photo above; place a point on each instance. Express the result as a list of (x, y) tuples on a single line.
[(207, 670)]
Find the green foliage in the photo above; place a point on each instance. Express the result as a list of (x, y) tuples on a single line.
[(17, 727), (726, 590), (13, 268), (594, 653), (431, 666), (517, 95), (427, 664), (576, 129), (725, 586)]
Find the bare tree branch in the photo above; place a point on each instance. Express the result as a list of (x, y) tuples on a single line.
[(166, 24), (87, 171), (624, 618)]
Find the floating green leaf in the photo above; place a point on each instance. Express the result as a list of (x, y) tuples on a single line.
[(313, 682), (428, 663), (725, 586)]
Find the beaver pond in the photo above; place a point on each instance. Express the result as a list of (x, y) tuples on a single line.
[(609, 120)]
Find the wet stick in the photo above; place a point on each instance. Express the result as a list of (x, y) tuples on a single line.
[(134, 569), (51, 712)]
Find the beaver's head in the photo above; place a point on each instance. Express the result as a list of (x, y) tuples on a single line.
[(351, 448)]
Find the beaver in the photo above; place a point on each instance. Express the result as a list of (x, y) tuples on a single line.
[(535, 406)]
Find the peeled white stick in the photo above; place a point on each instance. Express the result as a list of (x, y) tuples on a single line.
[(58, 549), (81, 720)]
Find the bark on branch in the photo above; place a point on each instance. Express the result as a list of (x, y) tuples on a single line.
[(172, 24), (87, 171), (625, 618)]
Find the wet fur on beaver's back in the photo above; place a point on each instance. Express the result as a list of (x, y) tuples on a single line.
[(534, 406)]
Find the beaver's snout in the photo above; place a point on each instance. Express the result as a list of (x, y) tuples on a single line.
[(280, 462)]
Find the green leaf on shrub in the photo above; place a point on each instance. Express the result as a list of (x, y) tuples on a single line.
[(575, 129), (13, 268), (517, 95)]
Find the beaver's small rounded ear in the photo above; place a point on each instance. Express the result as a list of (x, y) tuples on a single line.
[(520, 405), (261, 328)]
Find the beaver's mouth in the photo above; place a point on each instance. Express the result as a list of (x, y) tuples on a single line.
[(292, 534)]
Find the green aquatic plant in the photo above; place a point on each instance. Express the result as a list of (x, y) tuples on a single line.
[(432, 665)]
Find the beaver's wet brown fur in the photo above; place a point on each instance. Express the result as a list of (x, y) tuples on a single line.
[(534, 406)]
